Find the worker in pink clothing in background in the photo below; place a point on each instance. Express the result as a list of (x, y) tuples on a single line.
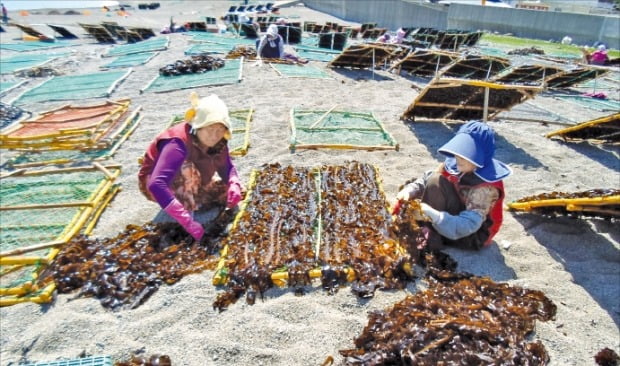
[(188, 167)]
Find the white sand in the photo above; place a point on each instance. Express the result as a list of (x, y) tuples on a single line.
[(575, 262)]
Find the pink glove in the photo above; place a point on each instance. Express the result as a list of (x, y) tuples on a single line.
[(176, 210), (234, 194)]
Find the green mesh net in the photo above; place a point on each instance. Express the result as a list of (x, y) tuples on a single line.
[(151, 45), (315, 55), (612, 85), (221, 40), (71, 87), (19, 276), (86, 361), (339, 129), (298, 71), (7, 86), (42, 208), (49, 189), (129, 60), (202, 48), (19, 62), (29, 227), (229, 74), (603, 105), (32, 46)]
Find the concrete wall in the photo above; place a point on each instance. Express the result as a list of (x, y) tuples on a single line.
[(392, 14), (547, 25)]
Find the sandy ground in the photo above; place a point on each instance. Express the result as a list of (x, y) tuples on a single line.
[(575, 262)]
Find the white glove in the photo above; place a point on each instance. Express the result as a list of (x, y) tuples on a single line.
[(406, 193), (430, 212)]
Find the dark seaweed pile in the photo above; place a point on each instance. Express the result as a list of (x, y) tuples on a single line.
[(249, 53), (154, 360), (607, 357), (8, 114), (124, 271), (289, 211), (527, 51), (451, 100), (459, 320), (196, 64)]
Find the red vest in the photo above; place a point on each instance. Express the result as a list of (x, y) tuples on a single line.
[(205, 163), (496, 214)]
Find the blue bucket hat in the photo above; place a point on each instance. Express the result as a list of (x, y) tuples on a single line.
[(475, 142)]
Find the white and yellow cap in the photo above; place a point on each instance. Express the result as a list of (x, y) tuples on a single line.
[(208, 111)]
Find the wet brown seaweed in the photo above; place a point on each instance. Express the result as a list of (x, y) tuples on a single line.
[(194, 65), (287, 214), (465, 321), (607, 357), (124, 271), (154, 360)]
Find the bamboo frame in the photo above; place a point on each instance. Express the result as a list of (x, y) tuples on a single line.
[(278, 277), (71, 138), (93, 205), (246, 134), (35, 66), (594, 122), (571, 204), (44, 297), (148, 85), (17, 85), (380, 129), (526, 92), (134, 122)]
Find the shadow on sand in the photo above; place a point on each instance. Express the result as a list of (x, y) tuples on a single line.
[(581, 247)]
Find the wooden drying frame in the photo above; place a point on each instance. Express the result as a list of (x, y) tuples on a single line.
[(452, 82), (90, 210), (380, 129), (594, 122), (280, 278)]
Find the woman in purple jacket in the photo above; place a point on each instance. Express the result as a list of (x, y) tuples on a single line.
[(188, 166)]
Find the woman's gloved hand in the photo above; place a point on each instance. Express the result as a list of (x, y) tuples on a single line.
[(176, 210), (408, 192), (233, 195), (430, 213)]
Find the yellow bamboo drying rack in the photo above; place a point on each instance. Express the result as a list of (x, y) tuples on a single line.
[(67, 138), (594, 122), (592, 204), (280, 278), (92, 206)]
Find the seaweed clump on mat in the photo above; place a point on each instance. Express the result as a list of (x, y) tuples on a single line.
[(124, 271), (195, 65), (154, 360), (301, 223), (470, 320)]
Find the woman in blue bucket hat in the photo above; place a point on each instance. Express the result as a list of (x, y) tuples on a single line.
[(463, 199)]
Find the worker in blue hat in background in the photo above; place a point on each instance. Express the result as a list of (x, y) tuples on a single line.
[(462, 201)]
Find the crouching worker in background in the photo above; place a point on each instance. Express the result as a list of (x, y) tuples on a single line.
[(188, 166), (271, 46), (462, 200)]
